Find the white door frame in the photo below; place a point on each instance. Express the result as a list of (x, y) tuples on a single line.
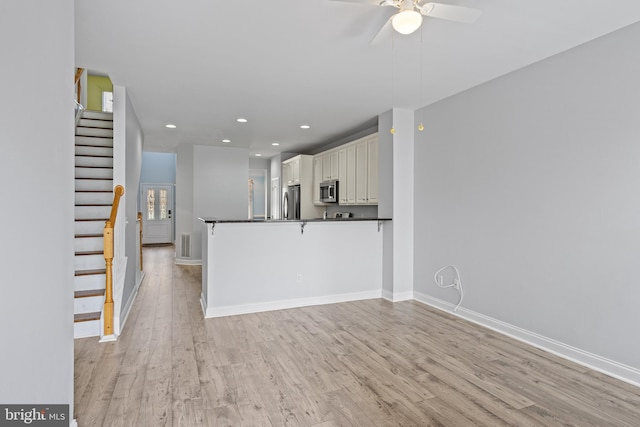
[(157, 231)]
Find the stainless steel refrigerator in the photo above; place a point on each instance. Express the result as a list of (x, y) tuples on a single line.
[(291, 202)]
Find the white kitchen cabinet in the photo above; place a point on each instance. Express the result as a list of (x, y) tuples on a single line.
[(299, 170), (361, 172), (334, 165), (351, 175), (326, 167), (317, 179), (355, 166), (286, 173), (295, 171), (342, 176), (372, 171)]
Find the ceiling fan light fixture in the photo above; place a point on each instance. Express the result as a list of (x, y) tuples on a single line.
[(406, 21)]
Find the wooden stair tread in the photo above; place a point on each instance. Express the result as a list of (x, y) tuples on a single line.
[(97, 179), (95, 167), (95, 136), (94, 155), (90, 272), (88, 294), (84, 236), (86, 317), (93, 191), (91, 219), (92, 204), (92, 145), (83, 253)]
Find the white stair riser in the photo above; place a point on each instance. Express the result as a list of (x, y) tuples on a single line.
[(100, 115), (92, 198), (88, 227), (105, 162), (93, 151), (93, 173), (108, 133), (95, 123), (88, 305), (86, 329), (88, 262), (94, 184), (93, 141), (88, 244), (86, 212), (89, 282)]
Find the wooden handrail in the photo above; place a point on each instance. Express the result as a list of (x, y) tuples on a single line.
[(140, 220), (108, 258), (76, 82)]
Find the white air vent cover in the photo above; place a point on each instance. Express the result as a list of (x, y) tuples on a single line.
[(185, 245)]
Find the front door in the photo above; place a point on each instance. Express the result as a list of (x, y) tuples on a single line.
[(157, 222)]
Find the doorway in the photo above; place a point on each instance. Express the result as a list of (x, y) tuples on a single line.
[(157, 218)]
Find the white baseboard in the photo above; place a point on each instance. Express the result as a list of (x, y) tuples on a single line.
[(397, 296), (593, 361), (108, 338), (284, 304), (127, 307), (203, 305), (184, 261), (73, 423)]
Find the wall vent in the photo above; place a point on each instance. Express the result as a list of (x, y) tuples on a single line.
[(185, 245)]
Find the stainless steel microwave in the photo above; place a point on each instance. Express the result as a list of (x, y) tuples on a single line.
[(329, 191)]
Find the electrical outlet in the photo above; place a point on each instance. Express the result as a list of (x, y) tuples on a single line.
[(440, 280), (299, 278)]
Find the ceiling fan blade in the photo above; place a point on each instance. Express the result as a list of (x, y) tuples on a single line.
[(383, 34), (374, 2), (450, 12)]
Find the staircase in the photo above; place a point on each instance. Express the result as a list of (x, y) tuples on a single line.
[(93, 199)]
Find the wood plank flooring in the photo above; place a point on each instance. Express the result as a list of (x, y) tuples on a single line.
[(366, 363)]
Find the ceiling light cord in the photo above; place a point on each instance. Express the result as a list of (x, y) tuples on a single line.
[(457, 282)]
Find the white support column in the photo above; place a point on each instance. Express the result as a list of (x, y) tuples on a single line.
[(403, 204)]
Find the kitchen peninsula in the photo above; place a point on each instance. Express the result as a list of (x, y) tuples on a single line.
[(260, 265)]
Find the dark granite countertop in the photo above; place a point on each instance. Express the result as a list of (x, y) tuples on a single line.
[(272, 221)]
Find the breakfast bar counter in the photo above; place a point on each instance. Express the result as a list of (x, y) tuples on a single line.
[(258, 265)]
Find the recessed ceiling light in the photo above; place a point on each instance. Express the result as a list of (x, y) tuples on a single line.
[(226, 141), (275, 143), (170, 126), (258, 155), (305, 127), (241, 120)]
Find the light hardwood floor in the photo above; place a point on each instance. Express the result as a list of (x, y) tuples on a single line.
[(366, 363)]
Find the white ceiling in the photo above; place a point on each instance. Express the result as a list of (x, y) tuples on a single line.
[(200, 64)]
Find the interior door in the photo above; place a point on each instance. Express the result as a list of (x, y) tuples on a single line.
[(157, 219)]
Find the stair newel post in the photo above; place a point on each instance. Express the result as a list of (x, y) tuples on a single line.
[(108, 258)]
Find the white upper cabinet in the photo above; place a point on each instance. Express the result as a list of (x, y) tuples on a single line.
[(342, 176), (350, 186), (355, 166), (317, 179), (372, 171)]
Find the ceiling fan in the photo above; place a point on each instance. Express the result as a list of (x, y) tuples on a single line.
[(410, 12)]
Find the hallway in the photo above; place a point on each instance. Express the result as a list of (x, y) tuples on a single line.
[(362, 363)]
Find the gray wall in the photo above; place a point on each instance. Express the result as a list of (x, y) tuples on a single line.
[(158, 168), (184, 195), (134, 141), (36, 168), (210, 182), (529, 184)]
